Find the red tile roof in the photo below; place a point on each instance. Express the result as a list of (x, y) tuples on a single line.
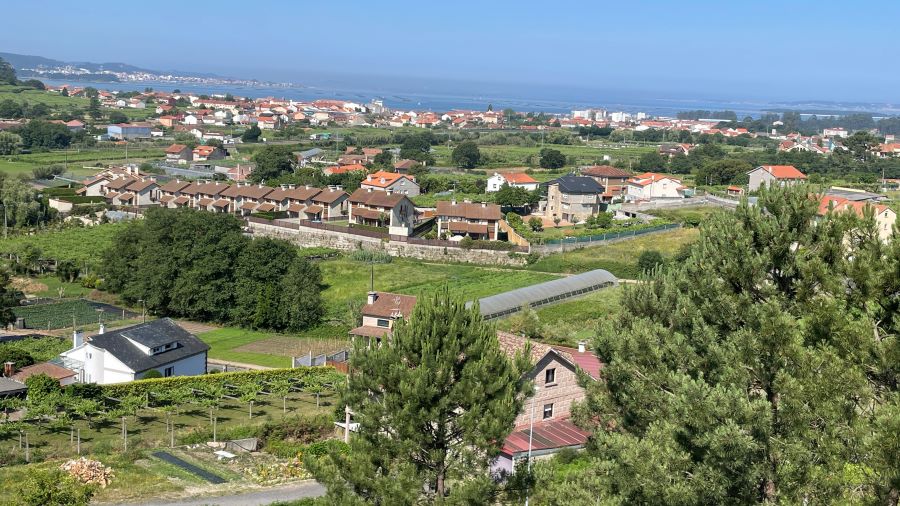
[(390, 305), (52, 370), (518, 178), (784, 171)]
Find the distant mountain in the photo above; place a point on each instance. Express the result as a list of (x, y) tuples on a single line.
[(24, 61)]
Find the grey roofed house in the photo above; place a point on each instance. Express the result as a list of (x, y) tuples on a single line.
[(309, 153), (854, 195), (11, 387), (168, 341), (541, 294), (577, 184)]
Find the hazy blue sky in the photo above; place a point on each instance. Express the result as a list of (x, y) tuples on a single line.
[(759, 49)]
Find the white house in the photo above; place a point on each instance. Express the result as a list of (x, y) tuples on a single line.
[(517, 179), (649, 185), (782, 175), (129, 354)]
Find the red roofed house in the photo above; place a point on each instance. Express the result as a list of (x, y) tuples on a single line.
[(178, 153), (380, 312), (607, 175), (398, 183), (343, 169), (735, 191), (783, 175), (204, 153), (649, 185), (59, 373), (477, 220), (555, 377), (516, 179), (885, 217)]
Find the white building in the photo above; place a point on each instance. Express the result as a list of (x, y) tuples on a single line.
[(781, 175), (516, 179), (129, 354), (650, 186)]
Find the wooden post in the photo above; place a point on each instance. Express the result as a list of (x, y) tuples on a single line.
[(346, 424), (27, 449), (78, 447), (172, 438), (251, 410), (215, 419)]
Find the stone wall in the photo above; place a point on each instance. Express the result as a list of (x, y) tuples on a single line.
[(310, 237)]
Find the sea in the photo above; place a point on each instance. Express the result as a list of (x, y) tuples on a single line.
[(403, 95)]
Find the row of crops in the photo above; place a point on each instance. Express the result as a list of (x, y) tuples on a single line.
[(59, 315)]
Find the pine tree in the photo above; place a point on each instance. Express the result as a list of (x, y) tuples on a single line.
[(749, 373), (434, 403)]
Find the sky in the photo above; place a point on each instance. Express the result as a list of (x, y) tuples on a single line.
[(770, 50)]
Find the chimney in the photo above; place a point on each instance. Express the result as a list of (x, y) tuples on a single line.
[(389, 191), (453, 201), (369, 190), (307, 187), (372, 297), (581, 346), (77, 339), (102, 328), (484, 204), (9, 368)]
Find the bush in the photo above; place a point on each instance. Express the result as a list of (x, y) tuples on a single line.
[(649, 260), (370, 256), (469, 243), (153, 373)]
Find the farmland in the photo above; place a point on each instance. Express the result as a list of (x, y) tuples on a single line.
[(82, 245), (58, 315), (619, 258), (517, 156), (269, 349), (75, 159)]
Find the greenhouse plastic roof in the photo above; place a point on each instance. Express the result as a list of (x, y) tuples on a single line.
[(515, 299)]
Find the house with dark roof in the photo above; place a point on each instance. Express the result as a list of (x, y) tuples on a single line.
[(572, 198), (555, 371), (131, 353), (382, 209), (381, 311)]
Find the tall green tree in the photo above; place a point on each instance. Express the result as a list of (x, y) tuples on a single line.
[(272, 162), (9, 298), (466, 155), (552, 159), (7, 73), (753, 371), (434, 403), (9, 143)]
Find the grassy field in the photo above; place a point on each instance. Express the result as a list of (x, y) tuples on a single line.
[(49, 286), (76, 160), (348, 280), (82, 245), (32, 96), (270, 349), (687, 215), (619, 258)]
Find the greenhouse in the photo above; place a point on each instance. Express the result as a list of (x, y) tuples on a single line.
[(506, 303)]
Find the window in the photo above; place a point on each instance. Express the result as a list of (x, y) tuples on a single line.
[(170, 371), (548, 411), (550, 376), (383, 323)]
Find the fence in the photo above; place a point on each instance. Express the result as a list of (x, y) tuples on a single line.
[(553, 245), (321, 359)]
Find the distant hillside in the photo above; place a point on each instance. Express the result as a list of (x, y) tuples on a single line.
[(24, 61)]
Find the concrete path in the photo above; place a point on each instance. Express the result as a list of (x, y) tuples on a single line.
[(255, 498)]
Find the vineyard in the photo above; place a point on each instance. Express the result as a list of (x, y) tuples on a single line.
[(59, 315)]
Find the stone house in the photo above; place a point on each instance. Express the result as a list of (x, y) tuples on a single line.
[(782, 175), (572, 198)]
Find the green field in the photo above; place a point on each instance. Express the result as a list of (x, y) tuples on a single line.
[(76, 159), (272, 350), (32, 96), (687, 215), (348, 281), (517, 156), (59, 315), (619, 258), (82, 245)]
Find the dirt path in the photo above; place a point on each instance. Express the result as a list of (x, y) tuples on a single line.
[(255, 498)]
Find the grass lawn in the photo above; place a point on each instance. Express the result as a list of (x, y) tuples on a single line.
[(517, 156), (82, 245), (348, 280), (49, 286), (269, 349), (687, 215), (619, 258)]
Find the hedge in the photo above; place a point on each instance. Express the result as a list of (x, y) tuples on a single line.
[(143, 387)]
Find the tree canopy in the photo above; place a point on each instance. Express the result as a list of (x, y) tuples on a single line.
[(466, 155), (763, 368), (552, 159), (272, 162), (434, 402), (199, 265)]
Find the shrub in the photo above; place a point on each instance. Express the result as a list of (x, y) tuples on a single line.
[(370, 256), (649, 260), (153, 373)]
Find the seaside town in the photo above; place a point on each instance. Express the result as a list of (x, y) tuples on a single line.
[(211, 297)]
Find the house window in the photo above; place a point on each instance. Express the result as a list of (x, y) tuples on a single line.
[(170, 371), (548, 411), (383, 323), (550, 376)]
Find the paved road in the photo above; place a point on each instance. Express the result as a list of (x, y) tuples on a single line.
[(255, 498)]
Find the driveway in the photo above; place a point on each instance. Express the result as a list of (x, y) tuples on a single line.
[(255, 498)]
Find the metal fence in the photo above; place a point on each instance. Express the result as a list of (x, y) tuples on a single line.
[(554, 245)]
